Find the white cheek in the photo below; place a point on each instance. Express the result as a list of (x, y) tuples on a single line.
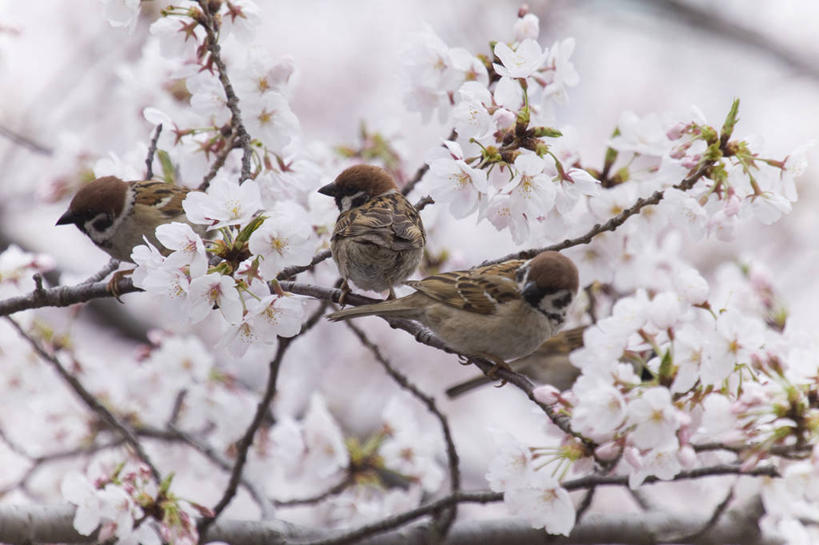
[(346, 203)]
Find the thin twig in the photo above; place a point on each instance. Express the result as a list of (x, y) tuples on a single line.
[(423, 202), (446, 520), (333, 491), (584, 504), (289, 272), (613, 223), (719, 510), (149, 160), (109, 267), (212, 42), (243, 446), (218, 163), (25, 141), (422, 170), (89, 399)]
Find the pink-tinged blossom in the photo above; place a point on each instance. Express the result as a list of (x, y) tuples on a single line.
[(409, 450), (225, 203), (527, 27), (511, 465), (284, 239), (78, 490), (655, 419), (661, 463), (214, 290), (601, 408), (182, 359), (326, 451), (467, 67), (266, 319), (260, 76), (427, 73), (543, 502), (508, 94), (665, 310), (186, 244), (452, 181), (521, 62), (737, 337), (268, 118), (690, 284), (164, 277), (560, 73), (240, 18), (572, 187)]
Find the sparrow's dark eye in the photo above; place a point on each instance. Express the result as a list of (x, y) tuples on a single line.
[(103, 223), (520, 274)]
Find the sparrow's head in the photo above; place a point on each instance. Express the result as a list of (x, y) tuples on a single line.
[(549, 283), (357, 185), (98, 207)]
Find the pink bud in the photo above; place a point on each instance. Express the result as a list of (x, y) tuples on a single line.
[(504, 119), (633, 457), (687, 456), (608, 451), (547, 394)]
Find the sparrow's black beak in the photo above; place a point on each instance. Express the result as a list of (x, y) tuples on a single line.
[(329, 189), (68, 217), (532, 293)]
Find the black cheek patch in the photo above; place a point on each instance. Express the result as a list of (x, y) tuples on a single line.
[(563, 301), (102, 224), (359, 200)]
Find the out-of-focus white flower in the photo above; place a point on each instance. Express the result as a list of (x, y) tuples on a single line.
[(212, 290), (259, 76), (225, 203), (560, 72), (183, 357), (284, 239), (409, 450), (77, 489), (326, 451), (240, 18), (178, 36), (521, 62), (510, 467), (508, 93), (645, 135), (527, 27), (661, 463), (601, 408), (121, 13), (543, 502)]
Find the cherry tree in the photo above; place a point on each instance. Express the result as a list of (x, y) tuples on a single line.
[(239, 414)]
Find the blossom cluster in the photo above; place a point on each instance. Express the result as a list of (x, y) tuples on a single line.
[(124, 502)]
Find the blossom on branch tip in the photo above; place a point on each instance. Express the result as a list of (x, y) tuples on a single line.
[(284, 239), (214, 290), (225, 203), (521, 62)]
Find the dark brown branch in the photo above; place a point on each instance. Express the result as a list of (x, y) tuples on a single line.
[(329, 493), (212, 43), (614, 222), (218, 163), (289, 272), (444, 523), (149, 160), (88, 398), (719, 510), (109, 267), (63, 296)]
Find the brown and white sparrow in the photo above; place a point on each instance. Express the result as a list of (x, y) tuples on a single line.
[(498, 312), (378, 239), (549, 364), (115, 214)]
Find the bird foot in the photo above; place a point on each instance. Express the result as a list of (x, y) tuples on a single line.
[(391, 295), (345, 289), (112, 286)]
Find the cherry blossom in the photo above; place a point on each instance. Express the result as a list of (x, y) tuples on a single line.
[(284, 239), (226, 203)]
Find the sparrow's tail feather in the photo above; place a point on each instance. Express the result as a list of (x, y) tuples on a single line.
[(396, 308), (467, 386)]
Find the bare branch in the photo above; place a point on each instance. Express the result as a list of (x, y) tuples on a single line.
[(25, 141), (613, 223), (330, 492), (149, 160), (88, 398), (289, 272), (218, 163), (109, 267), (445, 522), (719, 510), (63, 296), (212, 43)]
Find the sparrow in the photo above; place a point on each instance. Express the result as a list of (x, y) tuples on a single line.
[(497, 312), (549, 364), (116, 215), (378, 239)]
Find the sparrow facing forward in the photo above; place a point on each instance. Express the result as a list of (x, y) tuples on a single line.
[(115, 214), (498, 312), (549, 364), (378, 239)]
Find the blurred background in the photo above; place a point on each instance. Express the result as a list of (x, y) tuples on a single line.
[(73, 90)]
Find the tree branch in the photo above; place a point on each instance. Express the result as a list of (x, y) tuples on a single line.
[(63, 296), (445, 522), (88, 398), (149, 160)]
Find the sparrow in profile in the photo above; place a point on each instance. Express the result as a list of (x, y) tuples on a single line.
[(549, 364), (115, 214), (378, 239), (497, 312)]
